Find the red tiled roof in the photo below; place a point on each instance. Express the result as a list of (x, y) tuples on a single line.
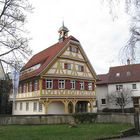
[(44, 57), (102, 79), (128, 73)]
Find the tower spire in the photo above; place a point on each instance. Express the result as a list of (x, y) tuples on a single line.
[(63, 32)]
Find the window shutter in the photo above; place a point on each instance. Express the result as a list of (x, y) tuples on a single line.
[(86, 85), (55, 84), (82, 68), (65, 66), (67, 84), (93, 86), (78, 85), (37, 84), (21, 88), (28, 84), (33, 85), (43, 83)]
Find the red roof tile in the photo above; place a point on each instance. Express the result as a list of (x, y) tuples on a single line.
[(128, 73), (102, 79), (44, 57)]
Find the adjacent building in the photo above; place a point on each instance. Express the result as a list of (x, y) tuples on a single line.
[(119, 78), (57, 80)]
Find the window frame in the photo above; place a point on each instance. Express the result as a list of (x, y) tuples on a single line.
[(27, 106), (82, 85), (90, 86), (49, 83), (34, 106), (134, 85), (103, 101), (73, 84), (61, 84), (119, 87)]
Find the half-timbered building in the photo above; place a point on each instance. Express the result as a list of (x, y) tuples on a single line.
[(57, 80)]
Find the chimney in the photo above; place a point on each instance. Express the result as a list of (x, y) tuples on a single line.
[(128, 61)]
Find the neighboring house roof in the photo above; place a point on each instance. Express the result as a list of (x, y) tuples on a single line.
[(102, 79), (121, 74), (44, 58)]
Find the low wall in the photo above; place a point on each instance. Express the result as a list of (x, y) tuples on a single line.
[(64, 119)]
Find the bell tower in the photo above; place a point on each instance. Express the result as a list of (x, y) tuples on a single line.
[(63, 32)]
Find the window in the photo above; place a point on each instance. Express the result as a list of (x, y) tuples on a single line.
[(35, 106), (27, 106), (20, 107), (30, 87), (61, 84), (73, 49), (72, 84), (119, 87), (134, 86), (89, 85), (20, 89), (24, 88), (40, 107), (81, 85), (35, 85), (103, 101), (128, 73), (15, 105), (67, 66), (117, 74), (49, 83), (80, 68)]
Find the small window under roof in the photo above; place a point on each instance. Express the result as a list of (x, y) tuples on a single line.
[(117, 74), (128, 73)]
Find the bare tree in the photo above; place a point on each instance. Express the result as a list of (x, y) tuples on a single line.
[(13, 41), (120, 98), (132, 8)]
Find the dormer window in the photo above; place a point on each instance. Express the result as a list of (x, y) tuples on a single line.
[(118, 74), (128, 73)]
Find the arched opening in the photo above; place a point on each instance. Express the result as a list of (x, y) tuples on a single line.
[(70, 107), (56, 107), (81, 107)]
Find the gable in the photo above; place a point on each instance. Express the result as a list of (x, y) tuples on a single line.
[(74, 57)]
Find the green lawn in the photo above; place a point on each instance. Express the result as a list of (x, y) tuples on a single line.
[(60, 132)]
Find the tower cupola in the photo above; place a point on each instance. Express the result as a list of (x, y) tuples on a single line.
[(63, 32)]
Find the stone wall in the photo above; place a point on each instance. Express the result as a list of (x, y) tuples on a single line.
[(64, 119)]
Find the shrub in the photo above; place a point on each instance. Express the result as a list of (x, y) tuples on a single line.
[(85, 117)]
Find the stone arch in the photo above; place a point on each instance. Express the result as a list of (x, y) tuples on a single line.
[(56, 107)]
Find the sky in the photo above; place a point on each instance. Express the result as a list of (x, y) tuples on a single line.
[(87, 20)]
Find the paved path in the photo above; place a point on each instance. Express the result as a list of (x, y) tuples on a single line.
[(129, 138)]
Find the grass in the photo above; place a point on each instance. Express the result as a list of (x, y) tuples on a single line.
[(60, 132)]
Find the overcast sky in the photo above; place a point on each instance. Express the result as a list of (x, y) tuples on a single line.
[(87, 20)]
